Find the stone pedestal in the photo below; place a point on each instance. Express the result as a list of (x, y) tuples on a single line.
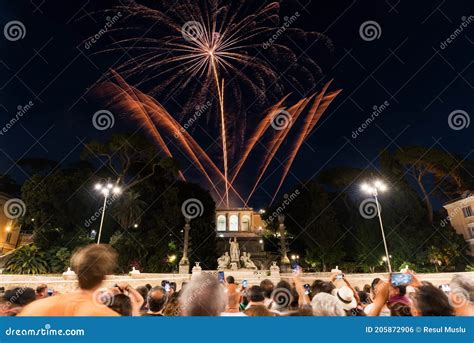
[(196, 270), (184, 262), (69, 274), (184, 268), (285, 261), (274, 270)]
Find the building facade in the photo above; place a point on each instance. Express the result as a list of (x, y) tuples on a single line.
[(461, 216), (10, 236), (247, 227)]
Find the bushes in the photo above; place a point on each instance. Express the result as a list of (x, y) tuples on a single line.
[(29, 259)]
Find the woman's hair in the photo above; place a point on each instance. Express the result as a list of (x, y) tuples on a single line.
[(121, 304), (259, 311), (172, 308), (364, 297), (400, 310), (431, 301)]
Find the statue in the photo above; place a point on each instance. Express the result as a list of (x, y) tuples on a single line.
[(234, 250), (247, 262), (223, 261)]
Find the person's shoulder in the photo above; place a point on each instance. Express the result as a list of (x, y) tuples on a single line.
[(40, 307)]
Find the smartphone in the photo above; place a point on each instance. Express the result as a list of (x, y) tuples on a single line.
[(307, 288), (244, 283), (400, 279), (445, 288), (50, 291), (339, 276), (220, 277)]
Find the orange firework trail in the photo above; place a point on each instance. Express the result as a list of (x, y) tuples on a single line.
[(313, 117), (259, 132), (150, 112), (291, 115)]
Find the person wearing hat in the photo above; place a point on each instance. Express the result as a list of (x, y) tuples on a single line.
[(346, 297)]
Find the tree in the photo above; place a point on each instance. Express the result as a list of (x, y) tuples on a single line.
[(312, 221), (422, 163), (60, 204), (128, 209), (131, 159)]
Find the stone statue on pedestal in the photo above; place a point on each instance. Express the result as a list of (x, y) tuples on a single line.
[(234, 250), (223, 261), (247, 262)]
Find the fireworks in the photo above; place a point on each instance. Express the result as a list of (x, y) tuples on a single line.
[(193, 52)]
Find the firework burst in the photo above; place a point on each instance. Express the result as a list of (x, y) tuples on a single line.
[(191, 52)]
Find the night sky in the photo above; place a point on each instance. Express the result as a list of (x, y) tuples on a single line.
[(408, 66)]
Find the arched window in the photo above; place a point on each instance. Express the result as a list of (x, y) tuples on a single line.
[(221, 223), (233, 223), (245, 225)]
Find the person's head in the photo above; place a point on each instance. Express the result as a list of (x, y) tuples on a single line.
[(230, 279), (366, 288), (462, 295), (19, 296), (172, 308), (326, 305), (203, 296), (364, 298), (399, 309), (92, 263), (255, 294), (431, 301), (373, 286), (319, 286), (143, 291), (173, 286), (121, 304), (156, 299), (148, 286), (400, 290), (233, 301), (42, 291), (259, 311), (345, 296), (267, 287)]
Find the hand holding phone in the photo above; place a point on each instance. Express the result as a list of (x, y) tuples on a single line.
[(400, 279)]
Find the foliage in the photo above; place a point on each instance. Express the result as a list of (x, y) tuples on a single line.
[(27, 260), (58, 259)]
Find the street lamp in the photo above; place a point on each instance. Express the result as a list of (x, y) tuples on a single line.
[(106, 189), (374, 188)]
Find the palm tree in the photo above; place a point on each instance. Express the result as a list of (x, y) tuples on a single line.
[(128, 209), (27, 260)]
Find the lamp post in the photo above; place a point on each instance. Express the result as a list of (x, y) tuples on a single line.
[(374, 188), (105, 189)]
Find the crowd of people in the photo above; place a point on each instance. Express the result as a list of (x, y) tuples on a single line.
[(206, 295)]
